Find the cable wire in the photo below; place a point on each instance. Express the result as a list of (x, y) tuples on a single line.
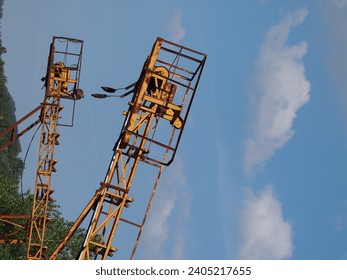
[(25, 157)]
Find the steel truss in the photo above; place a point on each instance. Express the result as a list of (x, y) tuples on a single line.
[(151, 132), (61, 82)]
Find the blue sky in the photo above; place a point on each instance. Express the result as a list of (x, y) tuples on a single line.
[(260, 168)]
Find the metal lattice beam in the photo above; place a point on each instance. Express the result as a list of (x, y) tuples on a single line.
[(62, 82), (150, 135)]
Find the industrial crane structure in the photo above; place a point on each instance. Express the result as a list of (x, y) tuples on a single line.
[(150, 136), (151, 132), (61, 82)]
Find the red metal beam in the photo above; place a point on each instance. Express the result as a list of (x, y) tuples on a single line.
[(13, 128)]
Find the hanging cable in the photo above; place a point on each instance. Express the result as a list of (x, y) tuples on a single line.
[(25, 157)]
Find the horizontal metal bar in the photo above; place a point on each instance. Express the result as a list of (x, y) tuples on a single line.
[(73, 40), (183, 47), (113, 187), (20, 121), (17, 216), (129, 222), (150, 140), (153, 162), (174, 66), (68, 53), (13, 241), (181, 54)]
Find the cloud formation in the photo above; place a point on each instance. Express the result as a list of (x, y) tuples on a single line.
[(265, 233), (170, 200), (281, 89), (176, 30)]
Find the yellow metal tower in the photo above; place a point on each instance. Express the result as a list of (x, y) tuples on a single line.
[(151, 133), (61, 82)]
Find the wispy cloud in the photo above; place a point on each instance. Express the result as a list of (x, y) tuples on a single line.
[(176, 30), (265, 233), (171, 200), (179, 228), (280, 90)]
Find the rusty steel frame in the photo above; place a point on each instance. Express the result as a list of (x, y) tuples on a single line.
[(164, 92), (12, 131), (43, 190), (21, 224), (61, 81)]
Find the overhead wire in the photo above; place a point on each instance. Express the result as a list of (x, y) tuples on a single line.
[(24, 160)]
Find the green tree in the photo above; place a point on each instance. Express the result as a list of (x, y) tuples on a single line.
[(11, 203), (56, 230)]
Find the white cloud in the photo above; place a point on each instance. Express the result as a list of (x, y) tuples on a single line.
[(280, 90), (179, 228), (157, 229), (176, 30), (170, 200), (265, 233)]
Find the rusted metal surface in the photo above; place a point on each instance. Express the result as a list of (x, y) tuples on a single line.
[(62, 81), (19, 229), (151, 133), (12, 132)]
